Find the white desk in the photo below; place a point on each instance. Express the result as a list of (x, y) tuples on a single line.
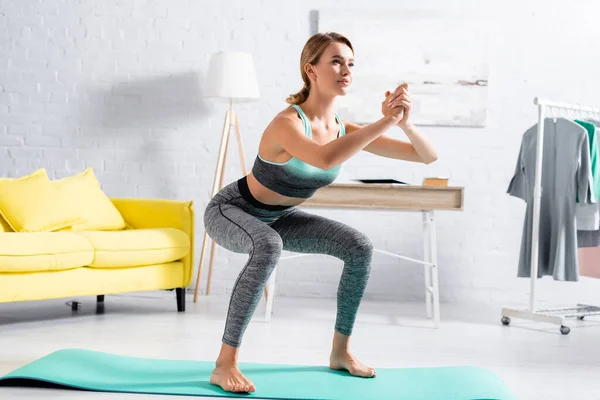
[(425, 199)]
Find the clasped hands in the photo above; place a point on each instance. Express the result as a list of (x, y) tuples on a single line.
[(397, 104)]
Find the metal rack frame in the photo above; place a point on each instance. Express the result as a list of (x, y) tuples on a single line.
[(551, 315)]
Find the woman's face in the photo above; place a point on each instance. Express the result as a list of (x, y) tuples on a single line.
[(333, 73)]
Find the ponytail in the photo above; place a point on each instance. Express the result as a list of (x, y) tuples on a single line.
[(299, 97)]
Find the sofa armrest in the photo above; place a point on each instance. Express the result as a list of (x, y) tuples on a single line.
[(162, 213)]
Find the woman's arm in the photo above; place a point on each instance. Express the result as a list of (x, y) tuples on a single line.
[(293, 140), (332, 154), (419, 149)]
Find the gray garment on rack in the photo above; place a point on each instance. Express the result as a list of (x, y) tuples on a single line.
[(566, 173)]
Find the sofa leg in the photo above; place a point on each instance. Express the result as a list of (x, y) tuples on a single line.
[(100, 304), (180, 299), (75, 305)]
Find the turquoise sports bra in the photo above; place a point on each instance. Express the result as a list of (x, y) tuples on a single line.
[(295, 178)]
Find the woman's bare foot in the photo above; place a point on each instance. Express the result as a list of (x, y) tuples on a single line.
[(231, 379), (347, 362), (227, 374), (341, 359)]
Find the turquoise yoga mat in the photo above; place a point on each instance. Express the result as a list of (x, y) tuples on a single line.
[(97, 371)]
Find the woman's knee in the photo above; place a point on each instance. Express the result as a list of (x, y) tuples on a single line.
[(210, 218), (359, 245), (357, 263), (268, 249)]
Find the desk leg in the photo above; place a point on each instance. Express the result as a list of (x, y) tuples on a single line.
[(426, 267), (431, 271)]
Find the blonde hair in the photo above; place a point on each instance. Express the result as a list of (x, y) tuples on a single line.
[(311, 53)]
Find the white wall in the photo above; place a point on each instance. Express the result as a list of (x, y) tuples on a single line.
[(117, 85)]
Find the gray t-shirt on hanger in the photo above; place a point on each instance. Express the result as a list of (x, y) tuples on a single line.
[(566, 174)]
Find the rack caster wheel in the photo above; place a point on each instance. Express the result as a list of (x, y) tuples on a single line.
[(505, 320), (565, 330), (581, 318)]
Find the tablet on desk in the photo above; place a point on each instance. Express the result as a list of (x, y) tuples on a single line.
[(384, 181)]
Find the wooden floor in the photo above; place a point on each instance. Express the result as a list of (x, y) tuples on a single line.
[(535, 360)]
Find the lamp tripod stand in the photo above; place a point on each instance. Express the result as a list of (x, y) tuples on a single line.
[(230, 119)]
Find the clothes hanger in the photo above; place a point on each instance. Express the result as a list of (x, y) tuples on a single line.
[(594, 117), (578, 113), (571, 113), (553, 114)]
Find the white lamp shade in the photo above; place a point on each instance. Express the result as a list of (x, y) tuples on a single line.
[(231, 75)]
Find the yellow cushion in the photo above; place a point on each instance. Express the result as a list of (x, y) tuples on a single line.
[(32, 204), (43, 251), (4, 226), (134, 247), (92, 204), (80, 282)]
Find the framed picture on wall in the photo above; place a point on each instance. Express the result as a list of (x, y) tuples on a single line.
[(442, 58)]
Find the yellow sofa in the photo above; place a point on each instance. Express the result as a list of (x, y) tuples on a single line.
[(153, 251)]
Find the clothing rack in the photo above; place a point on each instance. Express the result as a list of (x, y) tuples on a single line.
[(551, 315)]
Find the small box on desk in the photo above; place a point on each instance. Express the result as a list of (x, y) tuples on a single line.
[(435, 182)]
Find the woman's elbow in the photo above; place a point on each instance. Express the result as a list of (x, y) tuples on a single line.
[(429, 159)]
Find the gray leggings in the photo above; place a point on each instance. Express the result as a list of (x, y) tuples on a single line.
[(241, 224)]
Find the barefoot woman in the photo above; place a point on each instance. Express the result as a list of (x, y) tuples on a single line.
[(300, 151)]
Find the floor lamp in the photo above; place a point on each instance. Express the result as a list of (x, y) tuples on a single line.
[(231, 77)]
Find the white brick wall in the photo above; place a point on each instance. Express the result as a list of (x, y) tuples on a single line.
[(117, 85)]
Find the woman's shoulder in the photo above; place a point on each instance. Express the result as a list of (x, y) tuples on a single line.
[(286, 117), (285, 121), (287, 113)]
